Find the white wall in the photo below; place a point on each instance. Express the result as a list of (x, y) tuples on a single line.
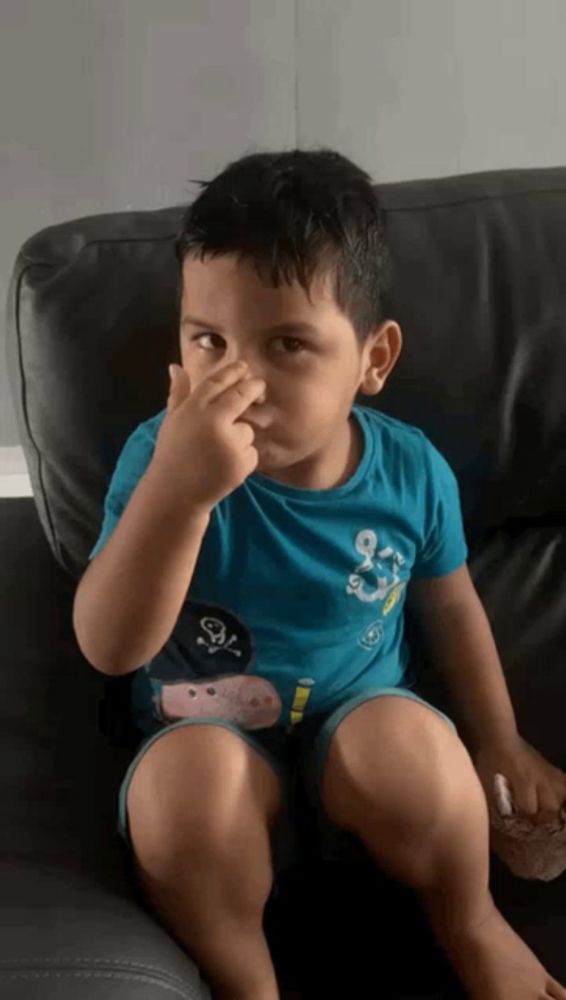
[(114, 104)]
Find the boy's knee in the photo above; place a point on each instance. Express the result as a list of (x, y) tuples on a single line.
[(398, 758), (199, 788)]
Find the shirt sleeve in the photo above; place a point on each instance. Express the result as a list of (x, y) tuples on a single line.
[(132, 463), (444, 547)]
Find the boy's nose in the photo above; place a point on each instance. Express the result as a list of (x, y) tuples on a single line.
[(262, 398), (253, 373)]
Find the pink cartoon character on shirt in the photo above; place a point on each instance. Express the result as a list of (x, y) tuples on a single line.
[(215, 652)]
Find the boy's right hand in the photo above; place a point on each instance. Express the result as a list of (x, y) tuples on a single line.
[(202, 449)]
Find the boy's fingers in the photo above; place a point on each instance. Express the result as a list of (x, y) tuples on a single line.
[(548, 804), (231, 391), (525, 798), (212, 386), (235, 400), (179, 386)]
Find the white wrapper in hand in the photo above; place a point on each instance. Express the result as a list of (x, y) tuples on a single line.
[(503, 797)]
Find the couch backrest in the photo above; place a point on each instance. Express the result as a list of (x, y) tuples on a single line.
[(479, 291)]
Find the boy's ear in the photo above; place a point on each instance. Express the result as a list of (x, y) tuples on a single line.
[(381, 353)]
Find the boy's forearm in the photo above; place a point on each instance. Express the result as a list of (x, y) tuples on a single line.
[(129, 598), (465, 651)]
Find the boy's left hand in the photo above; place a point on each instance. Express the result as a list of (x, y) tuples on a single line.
[(538, 788)]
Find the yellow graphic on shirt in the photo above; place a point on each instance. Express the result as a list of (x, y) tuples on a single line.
[(300, 698), (393, 598)]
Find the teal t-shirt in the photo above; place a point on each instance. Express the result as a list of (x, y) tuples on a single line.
[(296, 602)]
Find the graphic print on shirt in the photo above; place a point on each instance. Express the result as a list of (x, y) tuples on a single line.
[(215, 648), (389, 588), (302, 693)]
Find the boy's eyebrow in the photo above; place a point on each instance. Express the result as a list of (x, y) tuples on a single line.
[(290, 326)]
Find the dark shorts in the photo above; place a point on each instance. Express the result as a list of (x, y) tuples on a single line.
[(298, 757)]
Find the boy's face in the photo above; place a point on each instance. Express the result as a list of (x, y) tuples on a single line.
[(311, 375)]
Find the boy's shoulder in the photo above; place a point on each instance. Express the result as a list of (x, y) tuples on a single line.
[(150, 427), (145, 433), (401, 445), (394, 432), (137, 449), (410, 459)]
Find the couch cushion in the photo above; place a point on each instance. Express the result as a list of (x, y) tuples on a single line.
[(67, 934)]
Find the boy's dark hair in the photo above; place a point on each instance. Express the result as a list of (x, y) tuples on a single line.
[(295, 214)]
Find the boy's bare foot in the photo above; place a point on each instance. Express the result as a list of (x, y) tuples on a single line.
[(494, 963)]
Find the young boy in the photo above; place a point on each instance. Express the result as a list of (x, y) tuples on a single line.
[(259, 540)]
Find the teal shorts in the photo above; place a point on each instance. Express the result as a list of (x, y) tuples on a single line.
[(298, 757)]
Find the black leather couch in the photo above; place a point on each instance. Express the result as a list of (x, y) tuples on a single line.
[(480, 294)]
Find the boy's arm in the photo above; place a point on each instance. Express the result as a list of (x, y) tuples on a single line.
[(462, 644), (453, 618), (130, 596)]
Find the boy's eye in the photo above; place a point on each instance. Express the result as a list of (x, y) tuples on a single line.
[(294, 345), (198, 337)]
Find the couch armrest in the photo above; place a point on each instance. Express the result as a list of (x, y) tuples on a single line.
[(73, 921)]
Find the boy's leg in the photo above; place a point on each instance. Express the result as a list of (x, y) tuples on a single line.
[(201, 803), (398, 776)]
